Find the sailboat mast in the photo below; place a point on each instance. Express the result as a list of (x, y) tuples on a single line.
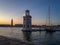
[(49, 15)]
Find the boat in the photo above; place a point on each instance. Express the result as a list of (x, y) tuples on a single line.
[(49, 28)]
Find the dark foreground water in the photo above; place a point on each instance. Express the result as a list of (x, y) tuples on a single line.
[(38, 38)]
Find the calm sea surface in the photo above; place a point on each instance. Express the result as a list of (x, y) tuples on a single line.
[(38, 38)]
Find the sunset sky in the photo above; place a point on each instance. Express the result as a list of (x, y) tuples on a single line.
[(38, 10)]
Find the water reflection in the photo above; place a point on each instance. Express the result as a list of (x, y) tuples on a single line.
[(50, 39), (44, 38), (38, 38), (27, 36)]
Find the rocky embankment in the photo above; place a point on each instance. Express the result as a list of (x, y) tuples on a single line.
[(12, 41)]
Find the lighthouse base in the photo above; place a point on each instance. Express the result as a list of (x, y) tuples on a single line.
[(26, 30)]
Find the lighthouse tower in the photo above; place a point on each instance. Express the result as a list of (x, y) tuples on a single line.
[(27, 20), (11, 22)]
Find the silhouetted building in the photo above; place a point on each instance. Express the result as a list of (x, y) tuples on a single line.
[(27, 20), (4, 25), (18, 25), (11, 22)]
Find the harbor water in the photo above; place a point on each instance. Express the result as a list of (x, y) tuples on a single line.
[(38, 38)]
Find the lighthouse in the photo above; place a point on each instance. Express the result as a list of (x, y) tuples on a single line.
[(27, 20), (11, 22)]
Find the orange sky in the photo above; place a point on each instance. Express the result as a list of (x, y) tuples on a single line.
[(15, 21)]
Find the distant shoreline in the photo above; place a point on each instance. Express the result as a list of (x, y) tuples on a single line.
[(8, 26)]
